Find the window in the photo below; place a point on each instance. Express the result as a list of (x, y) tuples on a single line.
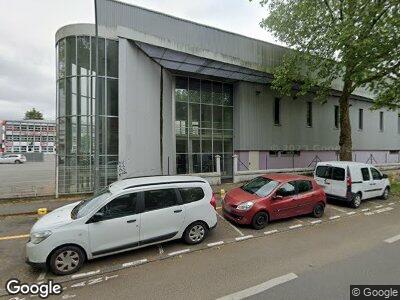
[(122, 206), (360, 119), (277, 113), (189, 195), (338, 174), (158, 199), (337, 116), (273, 153), (381, 127), (309, 114), (376, 175), (260, 186), (290, 153), (365, 174), (324, 172), (304, 186), (286, 190)]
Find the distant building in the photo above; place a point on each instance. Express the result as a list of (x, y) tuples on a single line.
[(25, 136)]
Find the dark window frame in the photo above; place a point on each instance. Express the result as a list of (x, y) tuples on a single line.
[(360, 119), (309, 115), (277, 112), (363, 174), (137, 207), (180, 190), (292, 183), (337, 117), (177, 197)]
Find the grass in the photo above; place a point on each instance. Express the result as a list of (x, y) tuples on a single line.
[(396, 188)]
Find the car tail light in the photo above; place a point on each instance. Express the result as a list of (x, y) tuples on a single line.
[(349, 182), (213, 201)]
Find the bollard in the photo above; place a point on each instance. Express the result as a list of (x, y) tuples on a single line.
[(42, 211), (222, 193)]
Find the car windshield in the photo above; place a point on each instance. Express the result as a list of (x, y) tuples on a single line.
[(85, 206), (260, 186)]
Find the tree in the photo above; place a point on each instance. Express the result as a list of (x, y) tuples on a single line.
[(33, 114), (354, 41)]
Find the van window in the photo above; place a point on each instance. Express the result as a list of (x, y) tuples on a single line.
[(304, 186), (193, 194), (324, 172), (288, 189), (376, 175), (365, 174), (158, 199), (338, 174), (121, 206)]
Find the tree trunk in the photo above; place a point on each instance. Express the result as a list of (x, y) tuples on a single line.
[(345, 141)]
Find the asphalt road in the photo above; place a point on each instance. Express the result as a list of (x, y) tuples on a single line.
[(296, 259)]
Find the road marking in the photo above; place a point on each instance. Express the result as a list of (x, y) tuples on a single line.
[(334, 217), (378, 211), (393, 239), (67, 296), (112, 276), (79, 284), (234, 227), (296, 226), (378, 206), (95, 281), (134, 263), (160, 249), (271, 232), (242, 238), (178, 252), (369, 213), (351, 213), (85, 274), (260, 288), (338, 209), (391, 203), (41, 276), (14, 237), (215, 244), (316, 222), (365, 209)]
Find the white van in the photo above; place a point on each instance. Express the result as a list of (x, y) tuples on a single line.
[(129, 214), (351, 181)]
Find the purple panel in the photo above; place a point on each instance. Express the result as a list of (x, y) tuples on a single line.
[(243, 160)]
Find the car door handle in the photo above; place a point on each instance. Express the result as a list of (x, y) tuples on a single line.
[(177, 211), (372, 184), (131, 221)]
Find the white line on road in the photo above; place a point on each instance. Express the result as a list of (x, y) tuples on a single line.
[(316, 222), (260, 288), (369, 213), (351, 213), (234, 227), (160, 249), (95, 281), (378, 206), (391, 203), (85, 274), (393, 239), (41, 276), (296, 226), (134, 263), (241, 238), (365, 209), (79, 284), (215, 244), (337, 208), (178, 252), (67, 296), (334, 217), (271, 232)]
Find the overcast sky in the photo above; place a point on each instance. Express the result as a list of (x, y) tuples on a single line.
[(27, 50)]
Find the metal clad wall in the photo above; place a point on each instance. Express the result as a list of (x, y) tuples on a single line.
[(254, 128), (139, 106)]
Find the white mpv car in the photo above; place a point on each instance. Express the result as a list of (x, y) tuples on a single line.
[(12, 159), (351, 181), (129, 214)]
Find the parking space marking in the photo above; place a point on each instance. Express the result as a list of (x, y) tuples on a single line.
[(246, 237), (79, 284), (271, 232), (393, 239), (134, 263), (178, 252), (14, 237), (365, 209), (391, 203), (316, 222), (334, 217), (215, 244), (80, 275), (68, 296), (260, 288), (338, 209), (230, 224), (378, 206), (296, 226), (351, 213)]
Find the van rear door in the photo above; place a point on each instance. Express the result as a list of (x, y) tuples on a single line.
[(323, 175), (339, 183)]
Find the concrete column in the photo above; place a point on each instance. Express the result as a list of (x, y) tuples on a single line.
[(235, 166), (218, 164)]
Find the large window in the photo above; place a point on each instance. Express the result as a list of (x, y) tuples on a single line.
[(77, 112), (337, 117), (309, 114), (381, 121), (203, 125), (360, 119), (277, 111)]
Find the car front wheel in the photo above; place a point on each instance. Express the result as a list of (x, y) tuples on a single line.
[(318, 210), (17, 162), (385, 194), (66, 260), (260, 220)]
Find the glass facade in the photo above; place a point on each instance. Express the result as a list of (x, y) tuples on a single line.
[(77, 112), (203, 125)]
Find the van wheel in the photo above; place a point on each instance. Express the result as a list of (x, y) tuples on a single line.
[(385, 194), (318, 211), (356, 201), (66, 260), (260, 220), (17, 162), (195, 233)]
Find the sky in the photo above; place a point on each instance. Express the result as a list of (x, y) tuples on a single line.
[(27, 41)]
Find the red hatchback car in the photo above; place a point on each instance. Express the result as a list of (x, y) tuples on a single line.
[(274, 196)]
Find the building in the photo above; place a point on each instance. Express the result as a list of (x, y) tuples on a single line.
[(27, 136), (172, 94)]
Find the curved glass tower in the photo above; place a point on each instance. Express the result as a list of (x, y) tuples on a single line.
[(77, 112)]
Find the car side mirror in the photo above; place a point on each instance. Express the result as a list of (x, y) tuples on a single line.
[(97, 217), (277, 197), (384, 176)]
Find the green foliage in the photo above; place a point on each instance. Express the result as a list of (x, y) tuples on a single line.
[(33, 114), (356, 42)]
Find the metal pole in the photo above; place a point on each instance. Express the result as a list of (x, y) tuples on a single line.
[(97, 109)]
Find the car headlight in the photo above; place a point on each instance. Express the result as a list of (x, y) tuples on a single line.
[(37, 237), (245, 205)]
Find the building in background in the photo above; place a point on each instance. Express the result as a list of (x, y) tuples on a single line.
[(27, 136), (172, 94)]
